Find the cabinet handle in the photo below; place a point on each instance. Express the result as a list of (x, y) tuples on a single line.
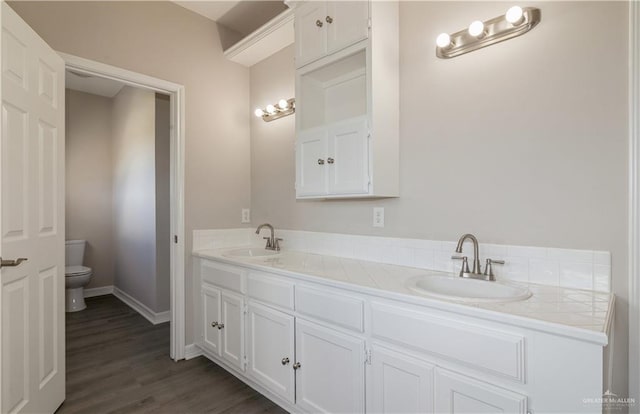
[(297, 366), (285, 361), (221, 326), (330, 160), (318, 23), (320, 161), (214, 324), (329, 19)]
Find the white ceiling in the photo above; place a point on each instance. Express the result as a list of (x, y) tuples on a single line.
[(95, 85)]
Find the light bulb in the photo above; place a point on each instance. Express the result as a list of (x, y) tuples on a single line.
[(259, 113), (476, 29), (514, 15), (443, 40), (271, 109), (283, 104)]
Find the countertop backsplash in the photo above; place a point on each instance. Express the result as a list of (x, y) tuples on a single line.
[(577, 269)]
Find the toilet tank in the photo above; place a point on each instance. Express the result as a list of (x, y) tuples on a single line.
[(74, 252)]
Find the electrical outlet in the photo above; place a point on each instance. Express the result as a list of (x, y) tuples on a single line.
[(246, 215), (378, 217)]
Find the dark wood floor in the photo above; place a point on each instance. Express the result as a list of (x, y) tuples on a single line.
[(118, 362)]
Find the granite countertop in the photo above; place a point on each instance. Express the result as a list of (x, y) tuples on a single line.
[(581, 314)]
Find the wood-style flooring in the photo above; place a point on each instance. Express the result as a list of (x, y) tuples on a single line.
[(118, 362)]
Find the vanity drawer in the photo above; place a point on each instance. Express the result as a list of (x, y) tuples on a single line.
[(492, 351), (331, 306), (228, 277), (270, 289)]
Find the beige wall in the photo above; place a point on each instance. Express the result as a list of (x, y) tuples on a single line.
[(524, 142), (163, 201), (88, 180), (167, 41)]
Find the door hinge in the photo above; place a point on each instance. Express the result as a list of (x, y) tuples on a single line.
[(369, 23), (368, 357), (245, 310), (175, 239), (246, 362)]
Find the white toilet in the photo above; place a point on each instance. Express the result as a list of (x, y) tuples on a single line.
[(76, 276)]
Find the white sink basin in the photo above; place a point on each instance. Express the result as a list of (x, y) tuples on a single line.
[(466, 290), (250, 252)]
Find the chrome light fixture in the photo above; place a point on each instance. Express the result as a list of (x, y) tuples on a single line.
[(283, 108), (515, 22)]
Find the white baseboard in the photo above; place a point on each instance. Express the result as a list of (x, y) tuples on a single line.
[(192, 351), (153, 317), (99, 291)]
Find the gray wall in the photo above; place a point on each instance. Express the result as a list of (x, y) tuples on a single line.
[(524, 142), (163, 201), (167, 41), (134, 188), (89, 180)]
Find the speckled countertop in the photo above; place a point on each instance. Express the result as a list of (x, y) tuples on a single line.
[(581, 314)]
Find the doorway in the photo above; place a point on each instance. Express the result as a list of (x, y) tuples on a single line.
[(175, 94)]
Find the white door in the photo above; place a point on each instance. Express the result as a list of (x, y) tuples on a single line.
[(397, 383), (348, 160), (32, 331), (232, 328), (211, 319), (311, 163), (455, 393), (310, 32), (271, 350), (347, 23), (330, 374)]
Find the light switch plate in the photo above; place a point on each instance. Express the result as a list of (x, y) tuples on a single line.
[(246, 215), (378, 217)]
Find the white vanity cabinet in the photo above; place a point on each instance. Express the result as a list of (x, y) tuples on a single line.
[(317, 347), (347, 100), (330, 377), (323, 28), (271, 350)]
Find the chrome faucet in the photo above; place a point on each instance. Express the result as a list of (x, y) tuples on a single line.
[(273, 243), (476, 272)]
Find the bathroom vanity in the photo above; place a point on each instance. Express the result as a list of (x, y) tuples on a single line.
[(319, 333)]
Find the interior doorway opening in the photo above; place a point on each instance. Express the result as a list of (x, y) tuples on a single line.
[(172, 95)]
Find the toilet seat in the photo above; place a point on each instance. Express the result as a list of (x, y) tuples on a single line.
[(76, 271)]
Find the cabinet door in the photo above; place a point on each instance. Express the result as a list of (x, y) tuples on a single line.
[(330, 378), (211, 319), (310, 32), (347, 23), (348, 159), (311, 166), (399, 384), (271, 350), (455, 393), (232, 346)]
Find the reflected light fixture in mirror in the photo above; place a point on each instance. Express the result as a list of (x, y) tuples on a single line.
[(271, 112)]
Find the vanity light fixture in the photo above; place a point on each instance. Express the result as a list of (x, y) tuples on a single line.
[(283, 108), (515, 22)]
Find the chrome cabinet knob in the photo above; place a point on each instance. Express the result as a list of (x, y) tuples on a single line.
[(214, 324), (320, 161), (329, 19), (285, 361), (319, 23), (221, 326), (297, 365), (330, 160)]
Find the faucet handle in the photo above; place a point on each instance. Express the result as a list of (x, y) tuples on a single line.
[(465, 264), (276, 244), (268, 239), (488, 269)]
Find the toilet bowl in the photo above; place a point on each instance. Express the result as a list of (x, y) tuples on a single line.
[(76, 276)]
